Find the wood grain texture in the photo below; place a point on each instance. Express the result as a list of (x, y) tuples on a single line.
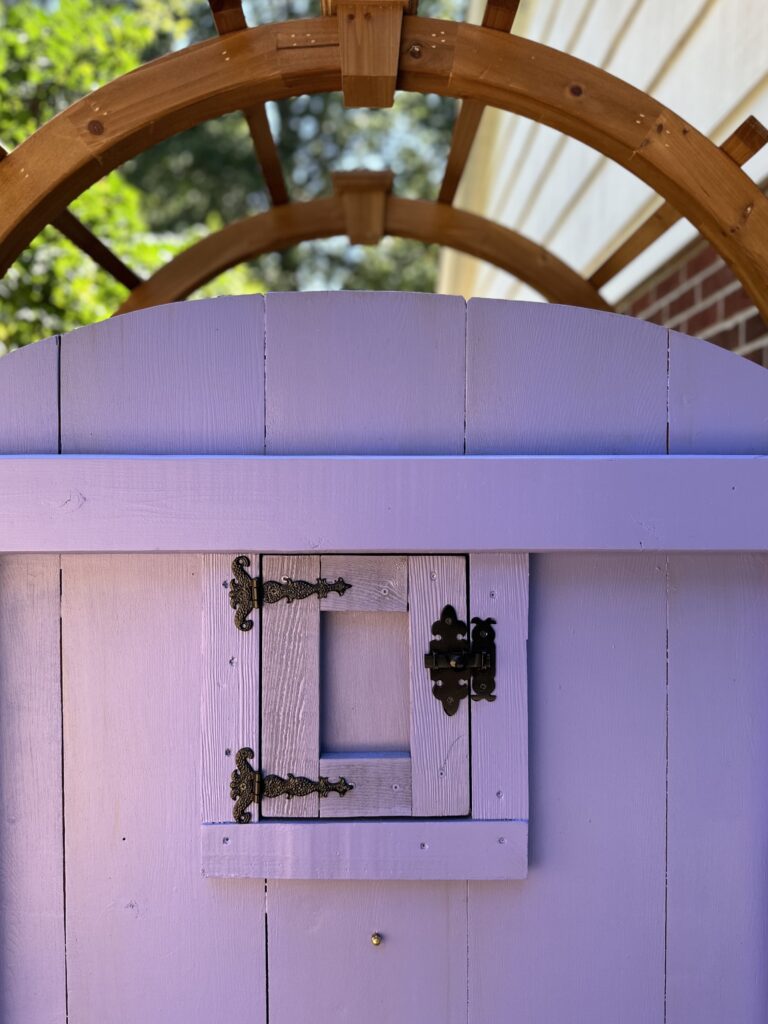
[(102, 256), (498, 588), (29, 382), (290, 709), (423, 951), (718, 833), (548, 380), (382, 786), (373, 850), (230, 712), (267, 153), (363, 197), (583, 938), (369, 44), (718, 402), (378, 583), (605, 503), (439, 742), (338, 382), (464, 131), (419, 219), (202, 386), (147, 937), (178, 91), (364, 682), (32, 969)]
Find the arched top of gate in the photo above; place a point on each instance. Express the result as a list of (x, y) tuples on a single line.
[(482, 65), (540, 379)]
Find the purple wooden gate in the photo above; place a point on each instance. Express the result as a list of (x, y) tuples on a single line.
[(126, 690)]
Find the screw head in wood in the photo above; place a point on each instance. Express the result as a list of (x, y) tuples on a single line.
[(415, 50), (376, 939)]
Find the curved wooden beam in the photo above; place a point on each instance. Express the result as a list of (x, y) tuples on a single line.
[(171, 94), (284, 226)]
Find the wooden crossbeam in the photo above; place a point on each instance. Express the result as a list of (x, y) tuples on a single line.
[(228, 17), (500, 16), (748, 139), (87, 242)]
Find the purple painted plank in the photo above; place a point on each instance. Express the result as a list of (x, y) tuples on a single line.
[(718, 826), (557, 380), (582, 939), (182, 378), (718, 402), (29, 382), (379, 373)]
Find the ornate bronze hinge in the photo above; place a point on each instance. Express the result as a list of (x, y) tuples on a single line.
[(248, 787), (247, 592), (452, 659)]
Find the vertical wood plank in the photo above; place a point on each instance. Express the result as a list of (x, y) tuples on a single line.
[(582, 939), (372, 373), (147, 938), (545, 379), (173, 380), (498, 588), (718, 829), (29, 402), (439, 742), (321, 955), (32, 970), (290, 712), (718, 402), (186, 378), (32, 966), (230, 711), (379, 583)]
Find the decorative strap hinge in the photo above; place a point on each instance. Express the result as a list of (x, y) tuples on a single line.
[(454, 661), (248, 787), (247, 592)]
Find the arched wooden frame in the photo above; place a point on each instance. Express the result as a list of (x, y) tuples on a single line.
[(221, 75), (284, 226)]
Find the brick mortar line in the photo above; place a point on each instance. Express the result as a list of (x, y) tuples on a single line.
[(710, 301), (658, 304)]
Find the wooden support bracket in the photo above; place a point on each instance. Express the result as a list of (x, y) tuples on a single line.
[(363, 197), (369, 38)]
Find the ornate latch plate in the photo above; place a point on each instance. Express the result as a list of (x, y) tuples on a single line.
[(248, 787), (247, 592), (454, 661)]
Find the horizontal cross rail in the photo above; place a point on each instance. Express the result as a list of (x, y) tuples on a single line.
[(383, 503)]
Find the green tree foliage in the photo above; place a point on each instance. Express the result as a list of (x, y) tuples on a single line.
[(54, 52)]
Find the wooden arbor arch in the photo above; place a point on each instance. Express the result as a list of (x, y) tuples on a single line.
[(250, 66)]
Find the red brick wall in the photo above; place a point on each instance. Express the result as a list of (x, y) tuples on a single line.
[(696, 293)]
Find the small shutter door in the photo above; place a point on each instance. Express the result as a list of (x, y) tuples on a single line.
[(345, 692)]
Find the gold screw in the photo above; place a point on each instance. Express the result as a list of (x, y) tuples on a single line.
[(376, 939)]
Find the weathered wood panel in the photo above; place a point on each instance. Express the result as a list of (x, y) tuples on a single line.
[(498, 588), (290, 709), (382, 785), (558, 380), (380, 583), (379, 373), (582, 939), (439, 742)]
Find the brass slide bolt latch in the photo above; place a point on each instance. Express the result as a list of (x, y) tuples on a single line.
[(454, 661)]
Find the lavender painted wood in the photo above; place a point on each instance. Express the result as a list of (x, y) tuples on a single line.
[(498, 588), (718, 402), (559, 380), (290, 712), (147, 939), (29, 383), (718, 829), (32, 969), (406, 850), (360, 373), (417, 973), (583, 938), (439, 742), (380, 373), (186, 377), (32, 975), (549, 503), (231, 698)]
